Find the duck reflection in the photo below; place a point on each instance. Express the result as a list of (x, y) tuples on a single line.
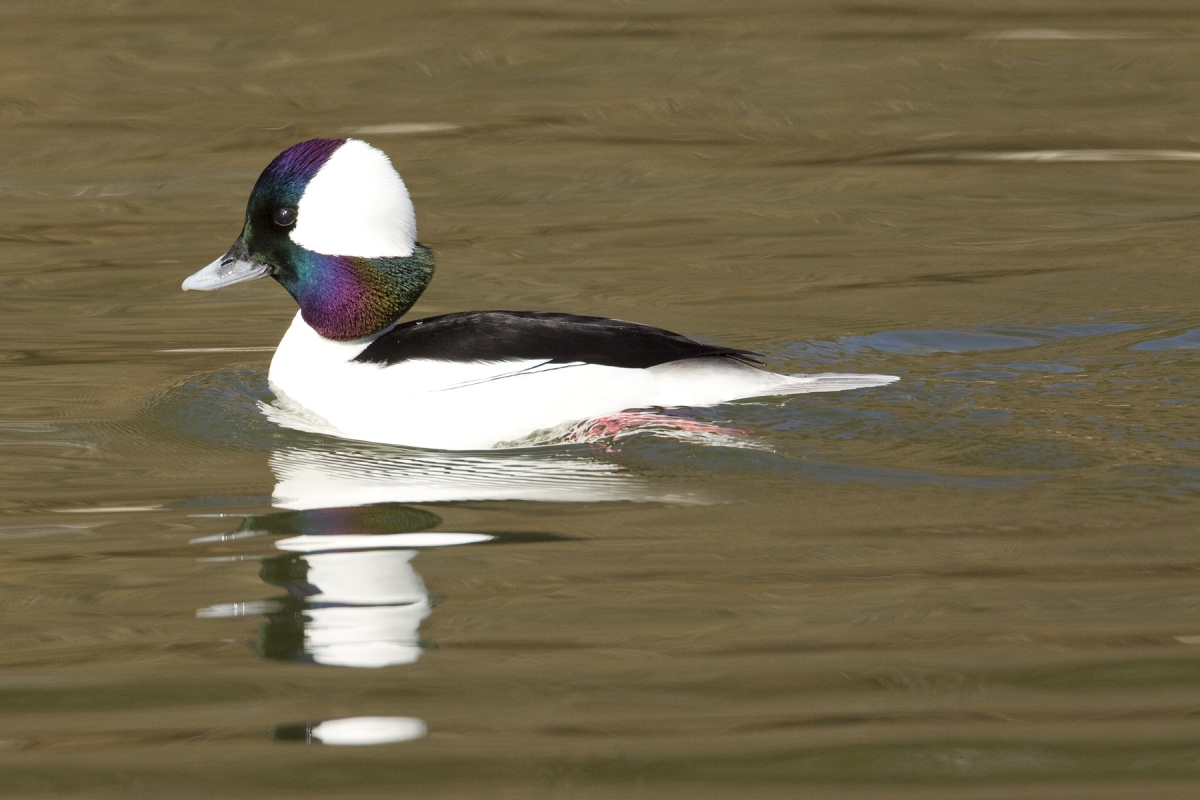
[(352, 609), (361, 474), (344, 546), (352, 731), (353, 598)]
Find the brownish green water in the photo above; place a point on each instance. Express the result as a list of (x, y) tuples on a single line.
[(980, 582)]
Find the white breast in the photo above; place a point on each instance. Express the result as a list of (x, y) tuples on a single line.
[(446, 405)]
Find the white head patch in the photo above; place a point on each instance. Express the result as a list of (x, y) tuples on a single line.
[(356, 205)]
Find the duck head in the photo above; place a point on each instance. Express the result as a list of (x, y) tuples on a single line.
[(332, 222)]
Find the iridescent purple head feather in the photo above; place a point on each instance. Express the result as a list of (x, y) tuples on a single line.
[(332, 222), (287, 176)]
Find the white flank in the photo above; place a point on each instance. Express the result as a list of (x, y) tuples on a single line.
[(356, 205), (444, 405)]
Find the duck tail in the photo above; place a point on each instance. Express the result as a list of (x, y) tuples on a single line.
[(830, 382)]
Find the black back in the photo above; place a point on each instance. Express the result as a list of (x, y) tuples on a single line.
[(537, 335)]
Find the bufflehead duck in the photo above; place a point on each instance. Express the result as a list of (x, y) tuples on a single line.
[(332, 221)]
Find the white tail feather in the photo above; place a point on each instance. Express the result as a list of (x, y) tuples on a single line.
[(830, 382), (704, 382)]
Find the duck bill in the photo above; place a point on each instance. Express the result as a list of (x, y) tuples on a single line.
[(236, 266)]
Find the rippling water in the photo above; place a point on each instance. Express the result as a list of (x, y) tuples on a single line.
[(978, 582)]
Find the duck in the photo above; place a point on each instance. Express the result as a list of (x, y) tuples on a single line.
[(332, 221)]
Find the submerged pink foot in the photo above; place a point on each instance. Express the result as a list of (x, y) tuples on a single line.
[(617, 425)]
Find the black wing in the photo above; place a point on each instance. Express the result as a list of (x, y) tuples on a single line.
[(536, 335)]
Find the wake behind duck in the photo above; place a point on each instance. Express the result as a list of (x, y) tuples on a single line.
[(331, 220)]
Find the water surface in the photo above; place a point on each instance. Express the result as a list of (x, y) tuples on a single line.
[(980, 581)]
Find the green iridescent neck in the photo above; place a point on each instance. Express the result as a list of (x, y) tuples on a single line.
[(349, 297)]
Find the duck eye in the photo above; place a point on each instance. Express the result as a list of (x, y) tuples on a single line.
[(284, 217)]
